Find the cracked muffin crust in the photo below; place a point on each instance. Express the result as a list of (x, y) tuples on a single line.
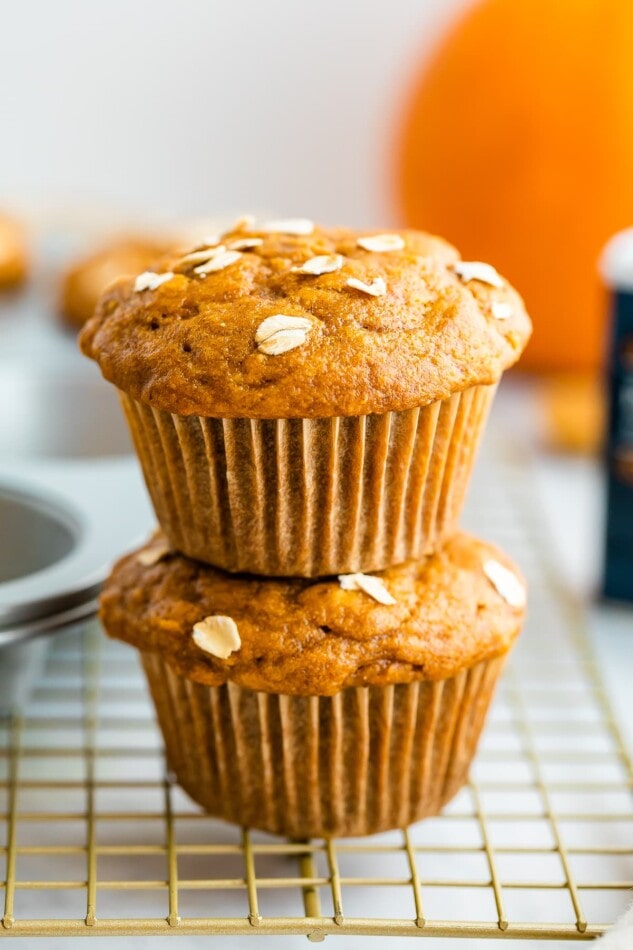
[(378, 323), (451, 611)]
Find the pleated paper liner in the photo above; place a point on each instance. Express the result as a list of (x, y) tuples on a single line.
[(365, 760), (310, 497)]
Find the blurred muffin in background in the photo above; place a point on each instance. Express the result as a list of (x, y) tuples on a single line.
[(13, 252), (86, 279)]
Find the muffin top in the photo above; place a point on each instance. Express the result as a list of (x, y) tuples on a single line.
[(285, 320), (422, 620), (87, 278)]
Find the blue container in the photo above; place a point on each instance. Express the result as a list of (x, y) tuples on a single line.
[(617, 268)]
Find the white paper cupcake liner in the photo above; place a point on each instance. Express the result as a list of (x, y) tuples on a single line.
[(362, 761), (310, 497)]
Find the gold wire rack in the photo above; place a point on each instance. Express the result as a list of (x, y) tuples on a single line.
[(96, 839)]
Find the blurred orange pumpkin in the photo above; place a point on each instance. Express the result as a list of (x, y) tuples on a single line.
[(518, 146)]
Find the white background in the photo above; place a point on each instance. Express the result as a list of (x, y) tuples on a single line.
[(201, 107)]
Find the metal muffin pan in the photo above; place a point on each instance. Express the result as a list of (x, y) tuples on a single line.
[(36, 534), (61, 526), (71, 494)]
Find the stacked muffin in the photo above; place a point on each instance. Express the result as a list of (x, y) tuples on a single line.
[(320, 641)]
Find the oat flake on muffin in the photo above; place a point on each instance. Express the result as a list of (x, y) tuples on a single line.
[(311, 403), (418, 333)]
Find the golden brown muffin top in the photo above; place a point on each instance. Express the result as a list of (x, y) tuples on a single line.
[(312, 637), (86, 279), (412, 327)]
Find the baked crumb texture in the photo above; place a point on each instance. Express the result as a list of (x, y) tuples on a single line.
[(318, 637), (308, 322)]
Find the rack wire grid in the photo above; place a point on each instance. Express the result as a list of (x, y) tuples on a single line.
[(96, 838)]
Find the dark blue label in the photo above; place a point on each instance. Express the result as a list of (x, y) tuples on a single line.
[(618, 579)]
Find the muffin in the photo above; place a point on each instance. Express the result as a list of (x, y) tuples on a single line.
[(84, 282), (13, 253), (343, 706), (305, 401)]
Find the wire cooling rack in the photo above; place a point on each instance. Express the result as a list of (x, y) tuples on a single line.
[(96, 839)]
